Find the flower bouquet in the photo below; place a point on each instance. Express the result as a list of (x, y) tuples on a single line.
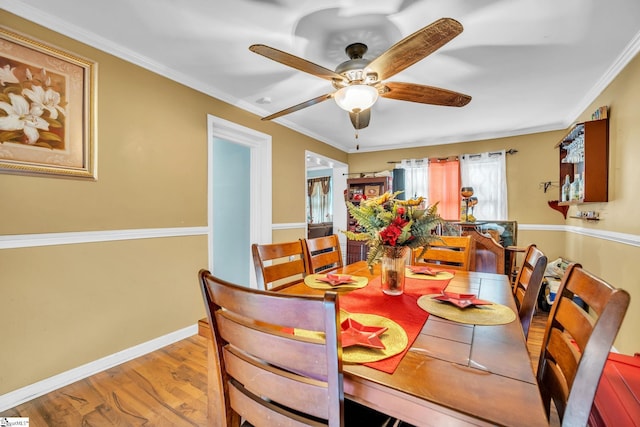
[(390, 226)]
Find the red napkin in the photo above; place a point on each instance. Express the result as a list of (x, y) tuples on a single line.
[(335, 279), (417, 269), (461, 300), (355, 333), (402, 309)]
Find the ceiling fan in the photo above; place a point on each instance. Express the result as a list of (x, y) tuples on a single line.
[(358, 82)]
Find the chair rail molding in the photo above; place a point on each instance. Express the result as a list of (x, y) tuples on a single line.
[(614, 236), (79, 237), (288, 225)]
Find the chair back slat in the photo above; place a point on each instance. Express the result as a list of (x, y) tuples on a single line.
[(322, 254), (265, 380), (271, 346), (527, 285), (267, 413), (278, 265), (582, 326), (267, 370), (452, 252)]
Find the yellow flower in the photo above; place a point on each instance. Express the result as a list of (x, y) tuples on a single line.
[(411, 202)]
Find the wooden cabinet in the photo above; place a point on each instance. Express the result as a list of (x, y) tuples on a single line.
[(356, 189), (584, 152)]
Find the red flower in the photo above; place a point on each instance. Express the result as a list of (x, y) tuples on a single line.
[(399, 221), (390, 234), (400, 210)]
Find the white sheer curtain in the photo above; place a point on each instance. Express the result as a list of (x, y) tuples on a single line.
[(487, 174), (416, 177), (320, 207)]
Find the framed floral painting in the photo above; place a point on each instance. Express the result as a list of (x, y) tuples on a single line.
[(47, 109)]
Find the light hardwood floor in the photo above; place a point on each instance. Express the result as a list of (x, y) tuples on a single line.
[(163, 388)]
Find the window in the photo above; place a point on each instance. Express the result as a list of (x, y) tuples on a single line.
[(320, 207), (416, 175), (441, 180), (438, 181), (487, 174)]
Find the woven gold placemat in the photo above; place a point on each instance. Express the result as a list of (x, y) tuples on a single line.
[(395, 339), (312, 281), (442, 275), (491, 314)]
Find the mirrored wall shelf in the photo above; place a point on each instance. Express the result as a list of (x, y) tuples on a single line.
[(584, 154)]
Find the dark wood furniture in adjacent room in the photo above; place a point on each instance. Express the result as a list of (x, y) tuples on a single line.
[(358, 188)]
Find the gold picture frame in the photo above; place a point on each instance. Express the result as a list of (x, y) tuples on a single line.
[(47, 109)]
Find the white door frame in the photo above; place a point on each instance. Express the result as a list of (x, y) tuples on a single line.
[(260, 181), (340, 171)]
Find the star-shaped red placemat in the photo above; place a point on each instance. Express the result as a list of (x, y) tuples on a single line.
[(422, 270), (355, 333), (461, 300), (336, 279)]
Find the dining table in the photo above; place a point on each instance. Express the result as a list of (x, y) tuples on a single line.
[(452, 372)]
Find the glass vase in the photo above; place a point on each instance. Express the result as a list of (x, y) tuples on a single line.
[(392, 266)]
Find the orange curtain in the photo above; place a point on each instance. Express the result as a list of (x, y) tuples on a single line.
[(444, 187)]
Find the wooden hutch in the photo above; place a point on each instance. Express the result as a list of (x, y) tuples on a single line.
[(356, 189)]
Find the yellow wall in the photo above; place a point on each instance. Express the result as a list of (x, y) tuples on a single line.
[(67, 305)]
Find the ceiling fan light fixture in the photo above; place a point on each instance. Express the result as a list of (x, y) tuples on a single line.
[(356, 98)]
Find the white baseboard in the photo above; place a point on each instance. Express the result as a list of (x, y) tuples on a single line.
[(24, 394)]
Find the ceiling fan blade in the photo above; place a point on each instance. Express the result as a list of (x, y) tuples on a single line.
[(300, 106), (295, 62), (415, 47), (361, 119), (424, 94)]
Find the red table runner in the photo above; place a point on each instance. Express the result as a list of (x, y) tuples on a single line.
[(402, 309)]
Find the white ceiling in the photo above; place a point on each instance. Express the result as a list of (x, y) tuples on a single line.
[(530, 65)]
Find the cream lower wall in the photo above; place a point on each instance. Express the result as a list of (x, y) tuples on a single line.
[(68, 305), (552, 243), (616, 263)]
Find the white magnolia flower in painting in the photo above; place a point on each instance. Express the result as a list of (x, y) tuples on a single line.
[(45, 99), (7, 76), (21, 117)]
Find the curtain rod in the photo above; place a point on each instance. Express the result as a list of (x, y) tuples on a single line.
[(362, 174), (496, 153), (441, 159)]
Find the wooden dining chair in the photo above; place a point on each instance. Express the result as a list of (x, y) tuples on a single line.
[(577, 342), (322, 254), (452, 252), (269, 375), (489, 255), (278, 265), (527, 285)]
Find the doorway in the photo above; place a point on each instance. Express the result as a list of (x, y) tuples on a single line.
[(338, 172), (239, 194)]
